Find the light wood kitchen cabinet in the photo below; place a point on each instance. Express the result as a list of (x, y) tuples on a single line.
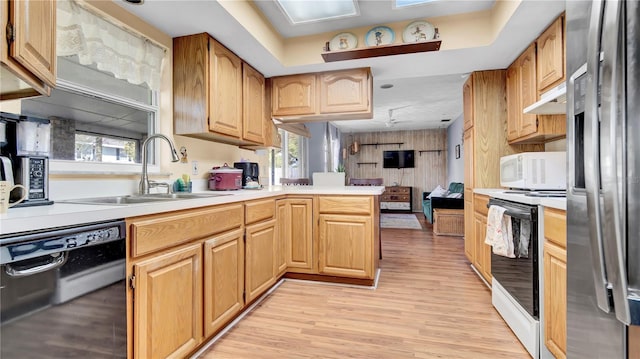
[(555, 282), (208, 93), (348, 236), (482, 258), (469, 231), (293, 95), (223, 279), (467, 103), (334, 95), (168, 304), (253, 105), (28, 59), (521, 93), (485, 141), (260, 265), (551, 56), (295, 218)]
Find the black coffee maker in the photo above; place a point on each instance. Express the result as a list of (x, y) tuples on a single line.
[(250, 172)]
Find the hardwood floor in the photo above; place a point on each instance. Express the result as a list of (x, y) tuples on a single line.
[(428, 304)]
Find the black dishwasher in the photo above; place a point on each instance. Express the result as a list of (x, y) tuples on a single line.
[(63, 293)]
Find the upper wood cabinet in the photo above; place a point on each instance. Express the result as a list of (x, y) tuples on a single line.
[(216, 97), (335, 95), (522, 91), (28, 63), (551, 56), (467, 103)]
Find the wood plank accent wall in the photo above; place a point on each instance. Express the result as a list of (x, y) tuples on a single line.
[(430, 167)]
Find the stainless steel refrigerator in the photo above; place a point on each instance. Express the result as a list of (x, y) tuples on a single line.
[(603, 200)]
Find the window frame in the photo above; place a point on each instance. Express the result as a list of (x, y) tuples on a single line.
[(74, 166)]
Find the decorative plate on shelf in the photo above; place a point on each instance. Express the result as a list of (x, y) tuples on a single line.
[(343, 41), (379, 35), (418, 31)]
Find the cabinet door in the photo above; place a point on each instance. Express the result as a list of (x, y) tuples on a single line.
[(226, 91), (283, 235), (480, 230), (555, 299), (345, 91), (469, 229), (260, 261), (223, 279), (294, 95), (346, 246), (300, 241), (467, 103), (528, 91), (253, 117), (34, 25), (514, 110), (168, 304), (550, 64)]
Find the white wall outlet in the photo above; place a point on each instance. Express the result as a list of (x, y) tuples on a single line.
[(194, 168)]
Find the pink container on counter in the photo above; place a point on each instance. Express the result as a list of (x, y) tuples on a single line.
[(225, 178)]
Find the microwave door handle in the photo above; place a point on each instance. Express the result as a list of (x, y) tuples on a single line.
[(613, 144), (591, 156)]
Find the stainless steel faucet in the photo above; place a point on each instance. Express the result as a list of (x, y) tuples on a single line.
[(144, 181)]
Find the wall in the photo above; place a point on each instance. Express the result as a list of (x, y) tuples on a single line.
[(430, 167), (455, 166), (316, 157)]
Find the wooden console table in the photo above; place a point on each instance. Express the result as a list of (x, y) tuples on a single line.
[(396, 198)]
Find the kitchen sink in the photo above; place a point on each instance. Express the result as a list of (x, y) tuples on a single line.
[(145, 198)]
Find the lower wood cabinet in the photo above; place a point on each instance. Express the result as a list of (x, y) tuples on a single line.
[(469, 229), (260, 262), (223, 279), (168, 304), (482, 257), (345, 244), (295, 218), (555, 282)]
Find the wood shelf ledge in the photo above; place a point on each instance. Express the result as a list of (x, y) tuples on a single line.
[(382, 144), (420, 152), (382, 50)]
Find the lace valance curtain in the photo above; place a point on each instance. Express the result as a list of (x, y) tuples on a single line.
[(97, 41)]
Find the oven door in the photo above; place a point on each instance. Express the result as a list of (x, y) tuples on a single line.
[(519, 276)]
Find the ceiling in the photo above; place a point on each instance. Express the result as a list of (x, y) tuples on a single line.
[(427, 86)]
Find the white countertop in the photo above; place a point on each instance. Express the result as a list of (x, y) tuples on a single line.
[(552, 202), (67, 214)]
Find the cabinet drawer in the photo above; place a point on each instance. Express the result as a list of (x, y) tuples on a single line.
[(259, 210), (152, 233), (352, 205), (480, 204), (555, 226), (394, 189), (395, 197)]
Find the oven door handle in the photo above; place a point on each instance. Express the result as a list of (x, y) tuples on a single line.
[(53, 263), (515, 213)]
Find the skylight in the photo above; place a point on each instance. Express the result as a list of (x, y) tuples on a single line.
[(300, 12), (403, 3)]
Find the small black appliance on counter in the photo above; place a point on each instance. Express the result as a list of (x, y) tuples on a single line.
[(250, 172), (24, 156)]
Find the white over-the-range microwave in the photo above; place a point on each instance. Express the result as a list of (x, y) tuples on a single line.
[(534, 171)]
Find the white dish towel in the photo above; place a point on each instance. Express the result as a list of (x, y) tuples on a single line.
[(499, 232)]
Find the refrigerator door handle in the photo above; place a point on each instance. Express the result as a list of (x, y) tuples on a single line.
[(591, 156), (612, 169)]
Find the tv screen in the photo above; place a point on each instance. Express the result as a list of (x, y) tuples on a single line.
[(398, 159)]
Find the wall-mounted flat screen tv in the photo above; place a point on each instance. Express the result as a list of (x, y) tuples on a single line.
[(398, 159)]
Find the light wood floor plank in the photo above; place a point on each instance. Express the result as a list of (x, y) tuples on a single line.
[(429, 304)]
